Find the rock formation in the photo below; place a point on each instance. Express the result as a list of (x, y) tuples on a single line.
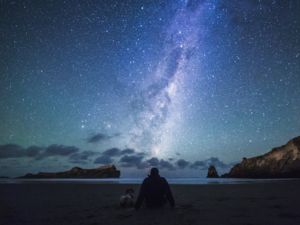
[(109, 171), (212, 172), (280, 162)]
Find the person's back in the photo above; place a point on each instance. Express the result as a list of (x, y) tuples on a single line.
[(155, 191)]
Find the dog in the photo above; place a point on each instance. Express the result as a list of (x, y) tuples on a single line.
[(127, 200)]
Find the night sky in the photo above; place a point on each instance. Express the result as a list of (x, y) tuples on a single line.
[(172, 84)]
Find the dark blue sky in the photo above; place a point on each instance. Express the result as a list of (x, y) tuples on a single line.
[(146, 83)]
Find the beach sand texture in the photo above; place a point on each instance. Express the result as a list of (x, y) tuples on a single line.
[(93, 204)]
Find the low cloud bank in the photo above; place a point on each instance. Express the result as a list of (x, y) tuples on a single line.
[(126, 158)]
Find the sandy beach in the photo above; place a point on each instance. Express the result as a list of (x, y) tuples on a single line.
[(92, 204)]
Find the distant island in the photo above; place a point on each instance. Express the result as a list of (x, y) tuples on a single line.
[(280, 162), (109, 171)]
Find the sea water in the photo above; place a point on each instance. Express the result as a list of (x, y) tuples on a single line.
[(186, 181)]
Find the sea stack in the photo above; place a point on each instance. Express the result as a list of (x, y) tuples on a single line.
[(280, 162), (212, 172)]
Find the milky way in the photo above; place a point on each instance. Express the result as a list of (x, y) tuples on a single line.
[(162, 97)]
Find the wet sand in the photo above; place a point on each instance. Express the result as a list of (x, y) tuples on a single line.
[(92, 204)]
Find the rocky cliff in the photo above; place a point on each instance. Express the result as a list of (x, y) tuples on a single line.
[(109, 171), (212, 172), (280, 162)]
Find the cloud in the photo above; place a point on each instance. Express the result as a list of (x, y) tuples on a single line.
[(198, 164), (162, 164), (81, 157), (61, 150), (126, 155), (206, 163), (132, 161), (103, 159), (137, 160), (124, 158), (153, 162), (11, 151), (166, 165), (36, 152), (128, 151), (112, 152), (181, 163), (216, 162), (99, 137)]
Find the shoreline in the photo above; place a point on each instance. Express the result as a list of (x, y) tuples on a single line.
[(137, 181)]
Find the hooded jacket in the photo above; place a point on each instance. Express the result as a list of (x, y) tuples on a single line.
[(156, 191)]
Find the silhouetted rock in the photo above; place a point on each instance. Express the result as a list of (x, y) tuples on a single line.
[(109, 171), (281, 162), (212, 172), (4, 177)]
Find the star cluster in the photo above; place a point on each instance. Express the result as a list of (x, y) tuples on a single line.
[(177, 82)]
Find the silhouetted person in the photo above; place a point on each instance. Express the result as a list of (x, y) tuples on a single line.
[(155, 190)]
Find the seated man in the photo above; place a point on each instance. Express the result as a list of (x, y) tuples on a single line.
[(155, 191)]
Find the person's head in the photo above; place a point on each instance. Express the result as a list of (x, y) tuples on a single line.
[(154, 172)]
